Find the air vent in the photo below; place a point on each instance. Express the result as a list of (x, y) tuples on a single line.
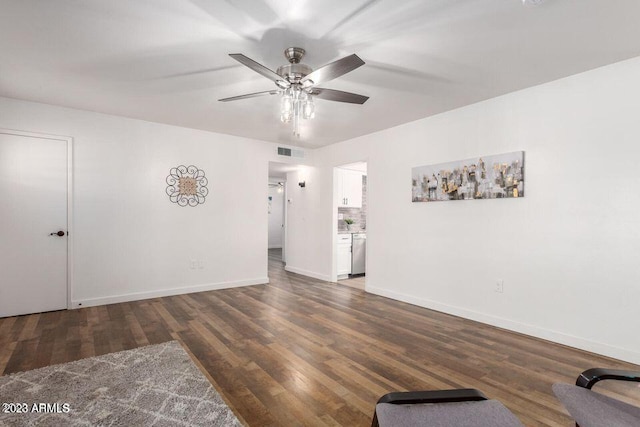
[(284, 151), (290, 153)]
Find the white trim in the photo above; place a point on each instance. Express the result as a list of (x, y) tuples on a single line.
[(531, 330), (70, 233), (334, 225), (136, 296), (308, 273)]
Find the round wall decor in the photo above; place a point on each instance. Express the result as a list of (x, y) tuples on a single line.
[(187, 185)]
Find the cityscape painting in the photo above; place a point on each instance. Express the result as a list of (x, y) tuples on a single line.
[(489, 177)]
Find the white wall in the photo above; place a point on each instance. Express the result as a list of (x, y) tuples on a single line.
[(567, 251), (130, 241), (308, 225), (276, 217)]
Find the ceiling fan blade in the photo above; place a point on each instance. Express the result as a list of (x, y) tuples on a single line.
[(333, 70), (260, 69), (338, 95), (249, 95)]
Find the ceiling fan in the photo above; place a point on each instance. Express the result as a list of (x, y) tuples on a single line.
[(297, 84)]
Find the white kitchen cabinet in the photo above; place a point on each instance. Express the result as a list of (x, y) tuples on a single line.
[(344, 255), (349, 192)]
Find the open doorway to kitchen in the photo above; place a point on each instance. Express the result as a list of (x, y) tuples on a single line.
[(277, 210), (350, 201)]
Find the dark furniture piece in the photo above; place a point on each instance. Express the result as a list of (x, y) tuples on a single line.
[(591, 409), (442, 408)]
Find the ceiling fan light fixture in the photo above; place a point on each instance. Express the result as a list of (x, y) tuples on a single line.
[(296, 105), (285, 118), (286, 103), (308, 111), (286, 106)]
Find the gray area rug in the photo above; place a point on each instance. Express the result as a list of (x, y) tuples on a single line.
[(156, 385)]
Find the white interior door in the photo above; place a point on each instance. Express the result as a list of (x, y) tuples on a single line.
[(33, 205)]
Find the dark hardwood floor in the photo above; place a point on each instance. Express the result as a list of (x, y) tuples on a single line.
[(299, 351)]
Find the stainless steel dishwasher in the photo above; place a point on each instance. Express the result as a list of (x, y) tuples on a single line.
[(358, 252)]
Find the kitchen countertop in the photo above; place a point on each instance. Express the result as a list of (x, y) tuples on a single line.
[(351, 231)]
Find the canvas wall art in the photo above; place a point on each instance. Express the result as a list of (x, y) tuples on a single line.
[(488, 177)]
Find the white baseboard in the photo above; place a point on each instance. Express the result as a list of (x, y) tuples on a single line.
[(535, 331), (135, 296), (308, 273)]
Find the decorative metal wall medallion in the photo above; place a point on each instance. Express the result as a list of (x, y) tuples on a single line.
[(187, 186)]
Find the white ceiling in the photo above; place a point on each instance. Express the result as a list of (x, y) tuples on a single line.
[(166, 60)]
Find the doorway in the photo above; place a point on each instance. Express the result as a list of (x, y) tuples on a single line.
[(350, 225), (277, 210), (35, 219)]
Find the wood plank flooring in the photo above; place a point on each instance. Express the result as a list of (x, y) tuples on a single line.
[(353, 282), (299, 351)]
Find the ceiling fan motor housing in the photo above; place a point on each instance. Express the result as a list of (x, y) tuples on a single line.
[(294, 54), (294, 71)]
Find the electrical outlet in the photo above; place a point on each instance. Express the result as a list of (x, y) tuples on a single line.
[(500, 286), (193, 264), (340, 216)]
